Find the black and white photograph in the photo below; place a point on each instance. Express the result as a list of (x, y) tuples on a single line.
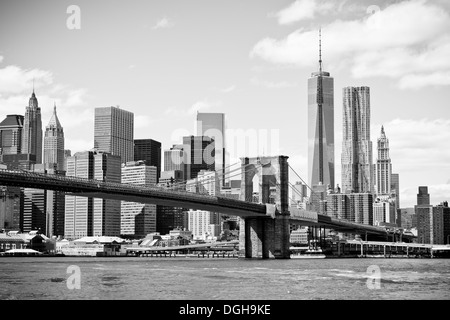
[(221, 156)]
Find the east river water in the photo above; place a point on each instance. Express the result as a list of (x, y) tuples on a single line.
[(229, 279)]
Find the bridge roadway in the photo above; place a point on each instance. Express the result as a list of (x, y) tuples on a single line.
[(155, 195)]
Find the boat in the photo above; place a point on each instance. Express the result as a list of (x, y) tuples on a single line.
[(309, 254)]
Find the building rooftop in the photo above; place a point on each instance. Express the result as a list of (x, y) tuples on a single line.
[(12, 120)]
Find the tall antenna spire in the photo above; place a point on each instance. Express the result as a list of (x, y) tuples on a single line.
[(320, 49), (33, 84)]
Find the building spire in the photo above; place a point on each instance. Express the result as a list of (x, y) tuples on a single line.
[(320, 49), (33, 85)]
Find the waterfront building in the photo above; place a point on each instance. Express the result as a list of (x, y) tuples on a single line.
[(169, 218), (353, 207), (149, 151), (213, 125), (204, 223), (357, 168), (92, 216), (430, 224), (407, 216), (114, 132), (299, 236), (384, 211), (138, 219)]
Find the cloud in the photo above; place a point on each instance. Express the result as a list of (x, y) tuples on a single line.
[(1, 59), (142, 121), (199, 106), (229, 89), (14, 79), (163, 23), (273, 85), (302, 10), (407, 41)]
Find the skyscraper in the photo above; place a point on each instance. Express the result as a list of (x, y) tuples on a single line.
[(11, 134), (10, 148), (148, 150), (113, 132), (423, 197), (32, 130), (357, 168), (213, 125), (383, 166), (138, 219), (54, 143), (199, 153), (92, 216), (321, 127), (395, 190), (54, 163)]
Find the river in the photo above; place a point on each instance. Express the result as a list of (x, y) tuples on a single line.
[(222, 279)]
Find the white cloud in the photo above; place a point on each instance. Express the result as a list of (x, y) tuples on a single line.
[(229, 89), (163, 23), (14, 79), (202, 105), (408, 41), (1, 59), (302, 10), (143, 122), (272, 84)]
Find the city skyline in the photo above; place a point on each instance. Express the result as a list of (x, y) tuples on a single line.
[(258, 79)]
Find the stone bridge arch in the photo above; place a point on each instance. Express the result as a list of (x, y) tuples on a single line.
[(266, 237)]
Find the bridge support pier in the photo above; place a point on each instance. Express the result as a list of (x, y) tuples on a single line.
[(264, 238)]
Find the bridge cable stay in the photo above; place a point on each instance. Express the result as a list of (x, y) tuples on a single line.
[(212, 178), (313, 194), (204, 182), (184, 183)]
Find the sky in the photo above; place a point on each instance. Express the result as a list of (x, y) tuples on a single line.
[(164, 60)]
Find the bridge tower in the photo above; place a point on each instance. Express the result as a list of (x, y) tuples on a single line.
[(268, 237)]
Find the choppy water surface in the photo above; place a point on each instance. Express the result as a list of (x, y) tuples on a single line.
[(191, 278)]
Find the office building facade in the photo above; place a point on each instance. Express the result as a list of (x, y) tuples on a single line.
[(114, 132), (148, 150), (138, 219), (213, 125), (92, 216), (321, 161), (54, 143), (357, 167), (199, 154)]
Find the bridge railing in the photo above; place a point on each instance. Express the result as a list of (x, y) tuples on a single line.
[(303, 214)]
